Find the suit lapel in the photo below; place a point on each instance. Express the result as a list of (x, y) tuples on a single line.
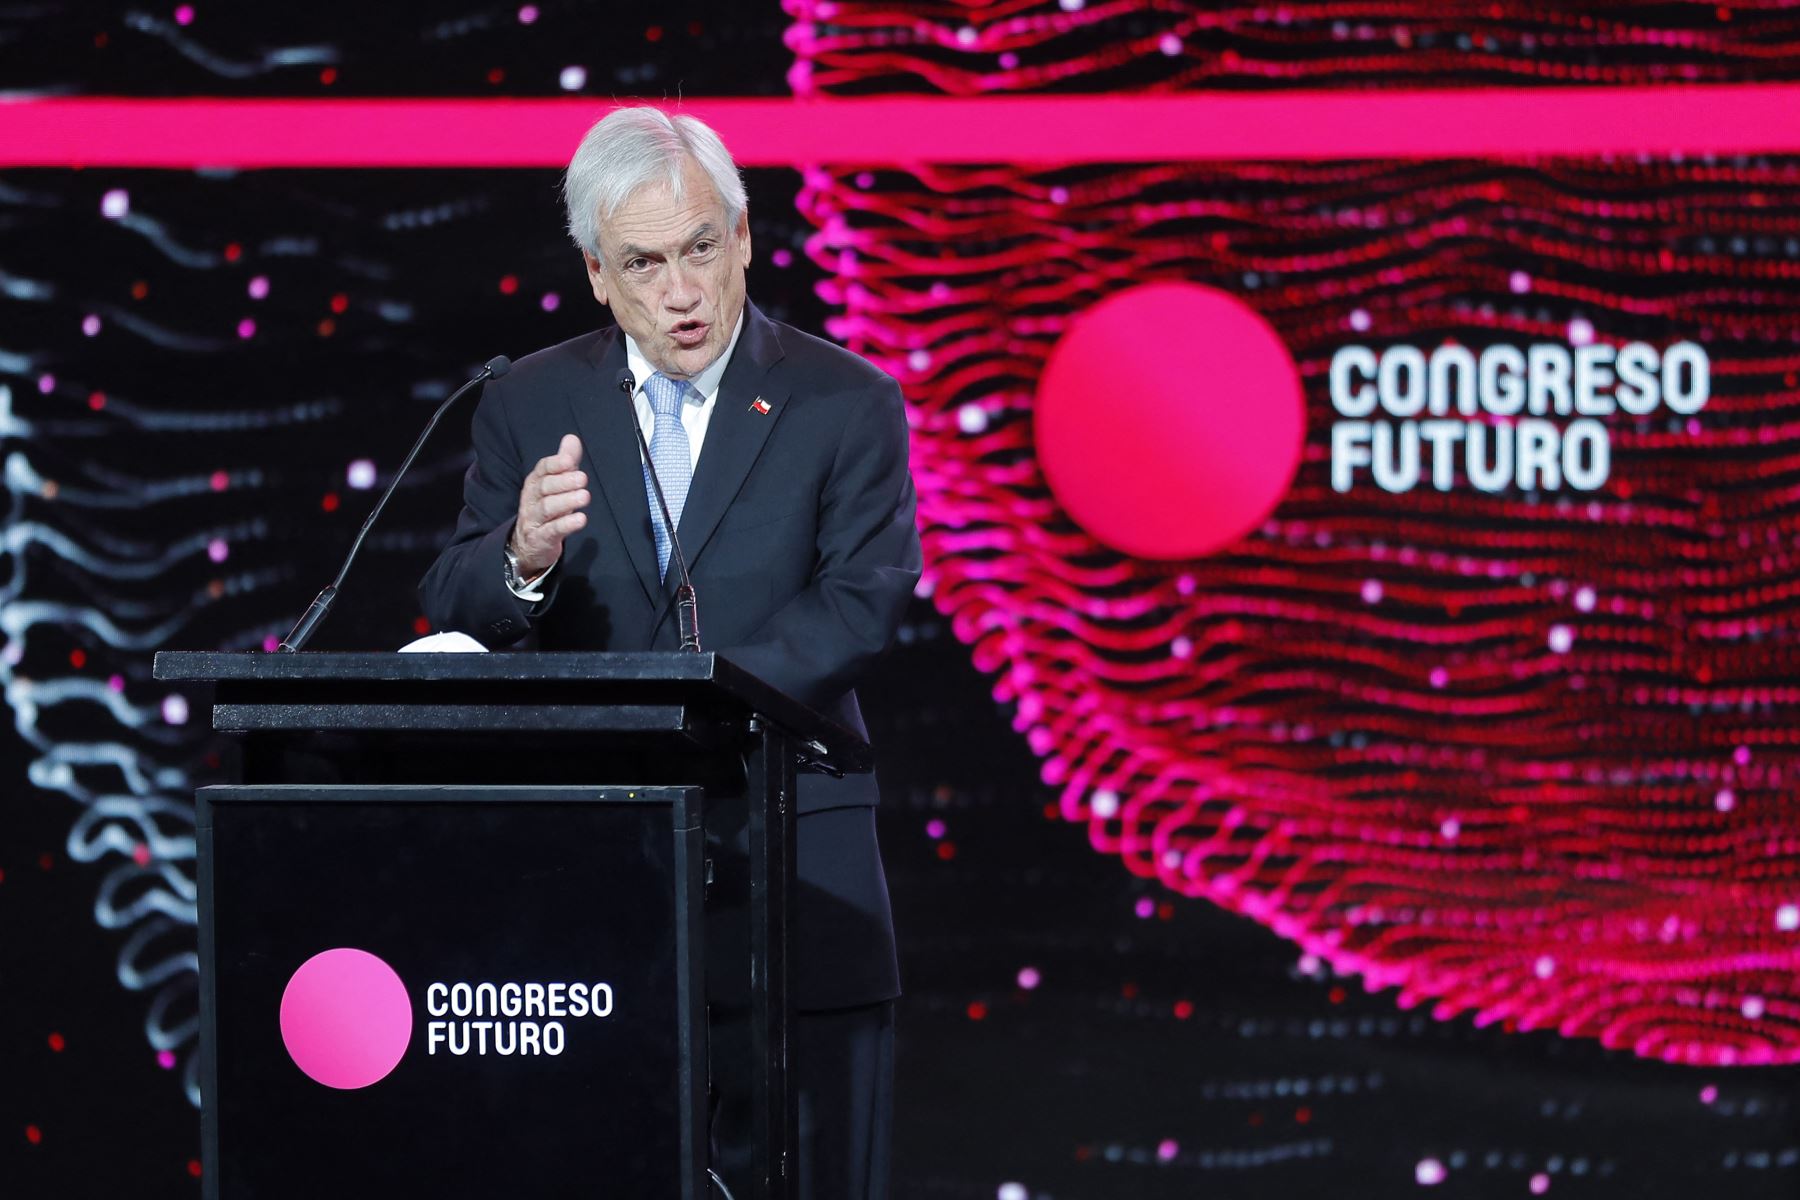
[(605, 422), (736, 433)]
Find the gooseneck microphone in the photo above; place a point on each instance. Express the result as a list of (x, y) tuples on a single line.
[(687, 608), (314, 615)]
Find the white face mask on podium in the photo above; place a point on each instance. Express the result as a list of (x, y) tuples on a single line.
[(444, 643)]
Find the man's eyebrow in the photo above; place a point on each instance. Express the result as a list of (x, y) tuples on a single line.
[(629, 251)]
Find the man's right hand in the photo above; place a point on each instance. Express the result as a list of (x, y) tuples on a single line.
[(550, 507)]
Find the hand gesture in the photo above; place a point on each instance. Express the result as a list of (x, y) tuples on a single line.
[(550, 507)]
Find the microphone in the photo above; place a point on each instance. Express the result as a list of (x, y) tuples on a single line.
[(687, 608), (315, 614)]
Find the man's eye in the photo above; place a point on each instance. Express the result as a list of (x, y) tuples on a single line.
[(637, 264), (703, 249)]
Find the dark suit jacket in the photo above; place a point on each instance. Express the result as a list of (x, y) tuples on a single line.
[(801, 544)]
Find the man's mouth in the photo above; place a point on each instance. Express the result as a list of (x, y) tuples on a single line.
[(689, 334)]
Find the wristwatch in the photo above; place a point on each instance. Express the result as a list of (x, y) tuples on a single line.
[(515, 582)]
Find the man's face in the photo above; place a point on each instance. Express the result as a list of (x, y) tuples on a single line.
[(673, 273)]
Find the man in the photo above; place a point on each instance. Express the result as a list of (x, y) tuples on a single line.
[(783, 460)]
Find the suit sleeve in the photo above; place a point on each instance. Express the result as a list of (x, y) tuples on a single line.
[(818, 644), (465, 589)]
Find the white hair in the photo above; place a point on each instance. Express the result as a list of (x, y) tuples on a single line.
[(630, 148)]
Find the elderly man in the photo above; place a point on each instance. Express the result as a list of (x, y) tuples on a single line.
[(783, 461)]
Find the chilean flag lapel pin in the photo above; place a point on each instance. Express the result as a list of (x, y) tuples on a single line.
[(760, 406)]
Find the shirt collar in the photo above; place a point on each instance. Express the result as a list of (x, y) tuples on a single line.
[(704, 386)]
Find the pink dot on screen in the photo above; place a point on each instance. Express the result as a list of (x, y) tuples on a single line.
[(1753, 1006), (1028, 976), (1169, 44), (1166, 1149), (220, 481), (185, 16), (1229, 438), (1740, 756), (1540, 1183), (218, 550), (259, 289), (1371, 589), (1519, 282), (934, 828), (550, 303), (1439, 677), (1581, 331), (246, 328), (1359, 321), (1145, 908), (1724, 801), (271, 644), (345, 1018), (166, 1058), (90, 325), (1708, 1094), (140, 853), (781, 258), (47, 384), (1430, 1172), (527, 15)]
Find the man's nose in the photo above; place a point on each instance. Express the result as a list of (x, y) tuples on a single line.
[(683, 292)]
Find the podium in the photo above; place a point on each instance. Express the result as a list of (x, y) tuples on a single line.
[(453, 919)]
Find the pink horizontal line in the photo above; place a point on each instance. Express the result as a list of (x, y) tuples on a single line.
[(1483, 123)]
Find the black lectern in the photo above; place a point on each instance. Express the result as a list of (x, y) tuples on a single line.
[(451, 921)]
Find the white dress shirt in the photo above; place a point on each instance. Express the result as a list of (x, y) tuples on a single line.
[(697, 405)]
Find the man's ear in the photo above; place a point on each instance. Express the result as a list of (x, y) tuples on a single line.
[(742, 235), (596, 278)]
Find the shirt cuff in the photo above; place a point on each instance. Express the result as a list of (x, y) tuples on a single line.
[(528, 589)]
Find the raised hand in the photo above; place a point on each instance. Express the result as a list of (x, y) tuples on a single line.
[(550, 505)]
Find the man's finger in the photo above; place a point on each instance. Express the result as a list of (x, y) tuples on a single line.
[(564, 503), (564, 481)]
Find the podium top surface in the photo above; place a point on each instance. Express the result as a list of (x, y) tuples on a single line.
[(701, 678)]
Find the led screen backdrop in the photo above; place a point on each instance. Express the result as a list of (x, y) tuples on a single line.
[(1356, 460)]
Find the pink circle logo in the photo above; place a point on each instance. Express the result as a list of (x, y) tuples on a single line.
[(346, 1018), (1169, 420)]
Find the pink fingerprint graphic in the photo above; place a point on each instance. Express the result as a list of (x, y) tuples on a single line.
[(346, 1018), (1169, 420)]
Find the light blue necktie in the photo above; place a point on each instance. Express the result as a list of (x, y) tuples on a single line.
[(674, 461)]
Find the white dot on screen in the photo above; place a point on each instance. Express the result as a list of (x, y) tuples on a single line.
[(361, 475), (1787, 918), (1581, 331), (175, 708), (259, 287), (971, 418), (1012, 1191), (573, 79), (1584, 599), (1545, 967), (1753, 1007), (115, 204), (1360, 320), (1105, 804), (1561, 639), (918, 360), (1430, 1172)]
